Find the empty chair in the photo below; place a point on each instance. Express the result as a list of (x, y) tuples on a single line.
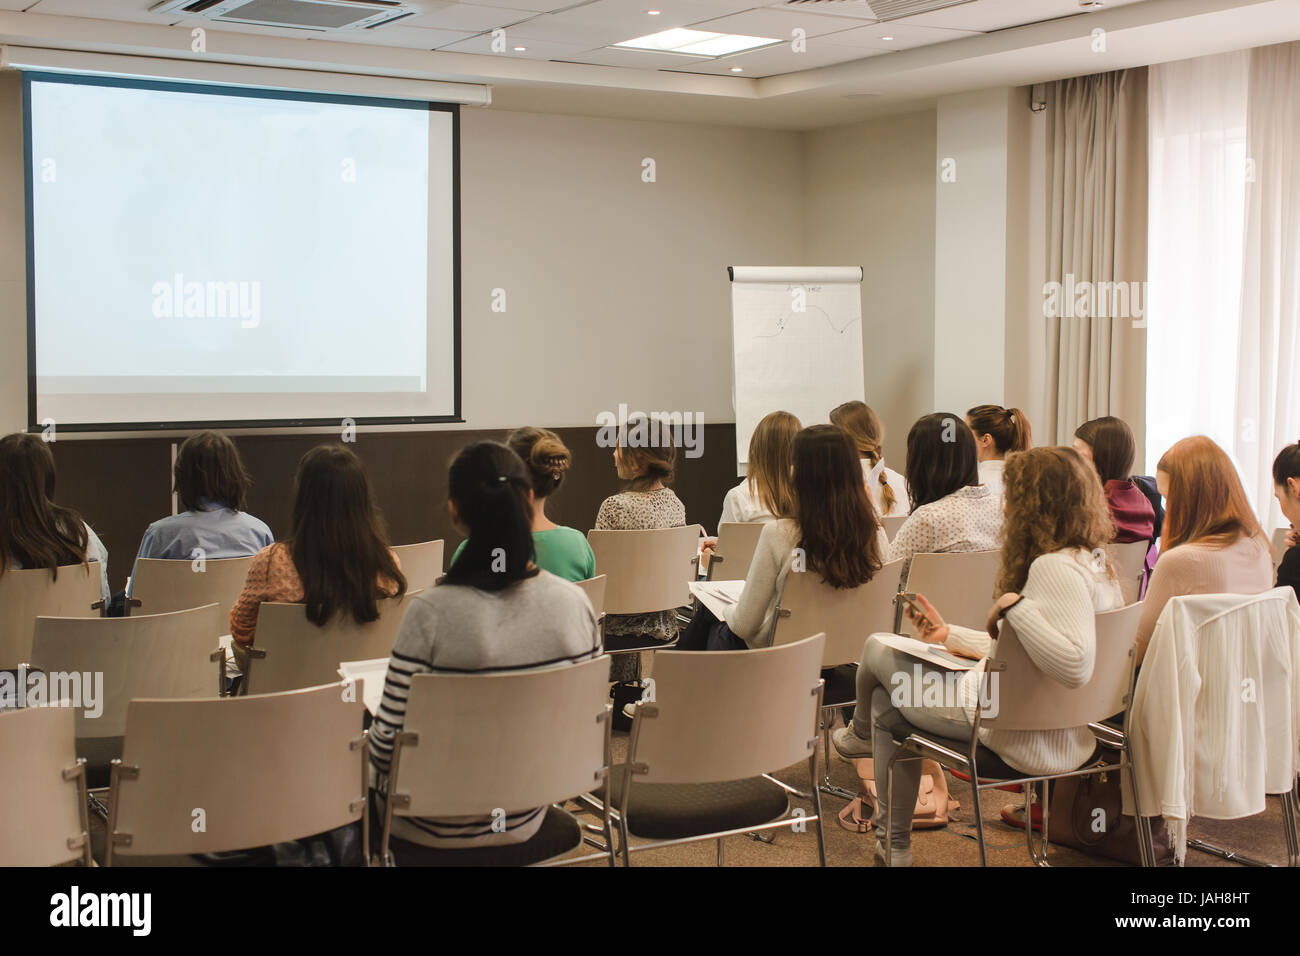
[(293, 652), (958, 583), (258, 770), (847, 616), (892, 524), (421, 563), (175, 655), (523, 739), (1130, 567), (1019, 696), (646, 571), (43, 818), (594, 588), (25, 595), (698, 752), (737, 542), (160, 585)]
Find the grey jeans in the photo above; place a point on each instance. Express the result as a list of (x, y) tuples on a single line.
[(875, 718)]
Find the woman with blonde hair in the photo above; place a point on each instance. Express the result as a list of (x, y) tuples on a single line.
[(886, 486), (767, 493), (1052, 586)]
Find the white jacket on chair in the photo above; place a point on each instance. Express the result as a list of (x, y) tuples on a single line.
[(1215, 720)]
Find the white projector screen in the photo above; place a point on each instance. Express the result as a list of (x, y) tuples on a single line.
[(204, 255)]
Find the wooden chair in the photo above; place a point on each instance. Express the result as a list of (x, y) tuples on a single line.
[(737, 542), (1022, 697), (159, 585), (26, 595), (421, 563), (692, 775), (646, 571), (958, 583), (253, 770), (1130, 567), (594, 588), (292, 652), (892, 524), (847, 617), (527, 738), (43, 820), (173, 655)]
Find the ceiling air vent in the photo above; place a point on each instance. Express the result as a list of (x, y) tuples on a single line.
[(880, 9), (321, 15)]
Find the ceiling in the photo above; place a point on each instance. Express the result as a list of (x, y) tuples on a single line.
[(557, 54)]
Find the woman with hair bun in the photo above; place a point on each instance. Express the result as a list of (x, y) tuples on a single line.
[(998, 432), (562, 551)]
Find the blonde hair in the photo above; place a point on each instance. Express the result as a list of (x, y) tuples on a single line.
[(771, 463), (861, 424)]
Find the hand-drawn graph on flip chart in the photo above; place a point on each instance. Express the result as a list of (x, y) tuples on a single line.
[(797, 343)]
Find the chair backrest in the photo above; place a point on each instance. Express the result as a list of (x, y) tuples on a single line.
[(594, 588), (148, 655), (256, 770), (421, 563), (27, 594), (1130, 567), (162, 585), (737, 541), (1022, 697), (648, 570), (42, 809), (292, 652), (689, 733), (1279, 545), (522, 739), (892, 524), (847, 617), (958, 583)]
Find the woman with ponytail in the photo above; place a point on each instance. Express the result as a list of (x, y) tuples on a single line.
[(998, 431), (886, 486), (562, 551), (495, 610)]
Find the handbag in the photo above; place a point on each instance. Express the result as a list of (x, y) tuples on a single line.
[(933, 802), (1091, 808)]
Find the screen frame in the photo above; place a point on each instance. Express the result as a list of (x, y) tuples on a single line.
[(249, 92)]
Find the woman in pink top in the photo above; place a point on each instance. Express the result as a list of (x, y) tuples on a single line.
[(1211, 543)]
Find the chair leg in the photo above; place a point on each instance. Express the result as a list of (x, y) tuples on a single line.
[(1288, 821), (817, 810), (722, 858), (979, 816), (826, 786), (625, 844)]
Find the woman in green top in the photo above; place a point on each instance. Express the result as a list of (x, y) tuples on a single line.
[(562, 551)]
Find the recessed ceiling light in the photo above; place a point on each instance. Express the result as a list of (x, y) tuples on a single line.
[(653, 13), (695, 42), (886, 38), (520, 49), (737, 69)]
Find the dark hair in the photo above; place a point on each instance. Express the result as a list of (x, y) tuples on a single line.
[(863, 426), (208, 466), (1008, 426), (546, 457), (34, 531), (337, 538), (1287, 464), (837, 522), (1113, 448), (941, 458), (489, 485), (649, 449)]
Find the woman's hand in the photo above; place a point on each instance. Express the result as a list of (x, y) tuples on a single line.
[(995, 612), (709, 545), (930, 626)]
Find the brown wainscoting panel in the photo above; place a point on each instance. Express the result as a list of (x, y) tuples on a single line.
[(120, 486)]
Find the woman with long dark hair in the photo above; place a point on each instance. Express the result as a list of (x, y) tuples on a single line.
[(495, 610), (335, 560), (1108, 443)]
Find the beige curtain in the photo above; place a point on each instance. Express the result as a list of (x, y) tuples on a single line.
[(1096, 233)]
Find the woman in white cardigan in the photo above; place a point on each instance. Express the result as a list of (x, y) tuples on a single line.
[(1054, 579)]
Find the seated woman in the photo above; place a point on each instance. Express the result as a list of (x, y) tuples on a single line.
[(336, 559), (951, 510), (1108, 443), (645, 457), (1286, 488), (34, 531), (1212, 543), (1055, 517), (486, 615), (998, 432), (834, 533), (562, 551), (885, 485), (212, 484)]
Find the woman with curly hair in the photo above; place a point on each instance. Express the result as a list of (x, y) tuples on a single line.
[(1054, 579)]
